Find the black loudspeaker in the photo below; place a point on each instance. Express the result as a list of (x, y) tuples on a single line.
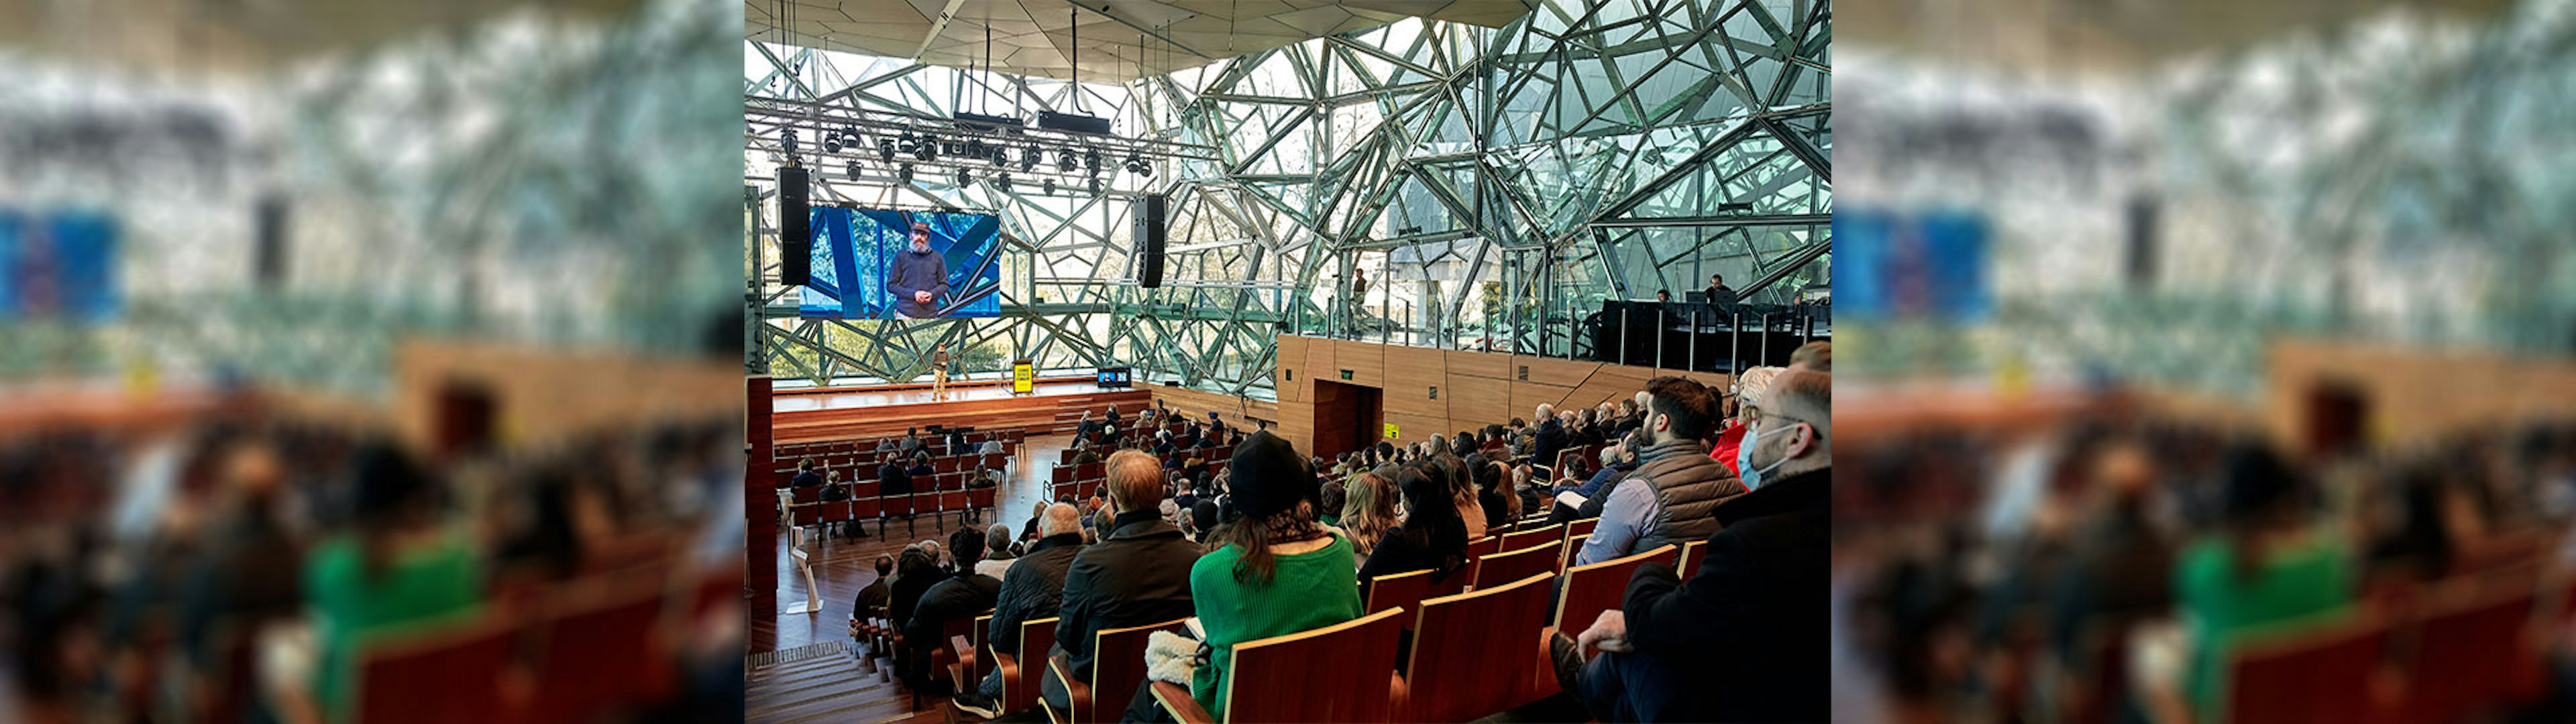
[(1149, 240), (795, 231), (2142, 213), (268, 259)]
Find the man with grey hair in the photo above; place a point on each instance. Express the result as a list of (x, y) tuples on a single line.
[(1034, 589), (1550, 439), (1760, 585), (997, 551), (1138, 574)]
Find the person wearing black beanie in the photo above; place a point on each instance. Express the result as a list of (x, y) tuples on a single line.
[(1276, 571)]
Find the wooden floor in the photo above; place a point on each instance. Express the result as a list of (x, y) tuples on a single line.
[(843, 566), (805, 667)]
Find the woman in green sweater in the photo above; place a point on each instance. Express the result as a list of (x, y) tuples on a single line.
[(1275, 571)]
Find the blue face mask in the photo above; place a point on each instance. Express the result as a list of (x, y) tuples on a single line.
[(1745, 470)]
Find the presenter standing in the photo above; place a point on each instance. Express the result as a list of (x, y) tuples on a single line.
[(939, 373), (918, 278)]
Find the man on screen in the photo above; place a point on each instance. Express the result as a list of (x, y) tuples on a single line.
[(918, 277)]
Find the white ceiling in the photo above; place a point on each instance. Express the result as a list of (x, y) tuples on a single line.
[(1030, 37)]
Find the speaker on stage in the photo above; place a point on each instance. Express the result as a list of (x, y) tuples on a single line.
[(795, 233), (1149, 240)]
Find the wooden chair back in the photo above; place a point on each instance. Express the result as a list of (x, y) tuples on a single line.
[(1501, 568), (2468, 648), (2283, 676), (1117, 668), (1020, 671), (1519, 539), (1399, 590), (1582, 527), (603, 648), (1278, 679), (446, 674), (1594, 588), (1689, 556), (1472, 655)]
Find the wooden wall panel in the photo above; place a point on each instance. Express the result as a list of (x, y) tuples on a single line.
[(1416, 428), (2414, 393), (1610, 383), (1558, 372), (1291, 375), (1411, 372), (1319, 362), (1527, 396), (1367, 363), (1237, 412), (1480, 398), (1479, 364)]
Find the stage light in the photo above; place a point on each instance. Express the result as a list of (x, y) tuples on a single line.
[(975, 148), (885, 150), (831, 142), (929, 150), (787, 138), (1145, 169), (904, 173), (1067, 164), (1095, 185), (964, 179), (1003, 182), (1091, 159), (854, 169), (1029, 161), (1001, 156), (1050, 187)]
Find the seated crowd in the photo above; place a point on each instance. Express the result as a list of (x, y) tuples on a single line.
[(1280, 543), (2131, 568), (251, 568)]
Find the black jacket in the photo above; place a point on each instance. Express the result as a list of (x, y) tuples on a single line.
[(1033, 589), (922, 271), (1759, 585), (805, 478), (1410, 548), (960, 595), (892, 479), (1139, 574), (1551, 439)]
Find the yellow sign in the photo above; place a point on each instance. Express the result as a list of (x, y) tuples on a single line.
[(1024, 377), (1390, 431)]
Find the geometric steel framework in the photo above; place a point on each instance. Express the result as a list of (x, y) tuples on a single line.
[(1493, 185)]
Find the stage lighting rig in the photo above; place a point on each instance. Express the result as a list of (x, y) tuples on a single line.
[(964, 179), (1068, 163), (1049, 186), (1029, 161), (904, 174), (854, 169), (1003, 182), (885, 149)]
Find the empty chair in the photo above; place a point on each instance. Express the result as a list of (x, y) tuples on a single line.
[(1117, 668), (1020, 683), (1500, 568), (1468, 660), (2312, 673), (1279, 679)]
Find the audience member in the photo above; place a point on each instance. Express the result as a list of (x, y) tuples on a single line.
[(1137, 574), (397, 567), (886, 444), (915, 570), (873, 598), (961, 595), (2272, 563), (805, 476), (1493, 493), (1203, 520), (1816, 356), (1329, 510), (911, 441), (1462, 493), (997, 551), (1761, 585), (1033, 590), (1276, 571), (1551, 437), (1676, 487), (1431, 535)]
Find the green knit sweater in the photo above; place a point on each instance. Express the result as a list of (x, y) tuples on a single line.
[(1308, 590)]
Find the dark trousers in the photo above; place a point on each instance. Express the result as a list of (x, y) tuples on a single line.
[(1624, 687)]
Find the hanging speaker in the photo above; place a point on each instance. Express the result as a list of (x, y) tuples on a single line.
[(2142, 212), (268, 220), (1149, 240), (795, 233)]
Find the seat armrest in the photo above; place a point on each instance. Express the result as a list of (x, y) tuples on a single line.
[(1077, 692), (1176, 699)]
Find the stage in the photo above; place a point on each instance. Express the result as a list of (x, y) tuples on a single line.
[(847, 413)]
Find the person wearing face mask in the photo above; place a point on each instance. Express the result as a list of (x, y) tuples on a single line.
[(1729, 442), (1745, 638), (1673, 495), (918, 278)]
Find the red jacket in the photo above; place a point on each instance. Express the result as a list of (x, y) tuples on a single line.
[(1723, 449)]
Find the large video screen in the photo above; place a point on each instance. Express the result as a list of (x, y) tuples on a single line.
[(884, 264)]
